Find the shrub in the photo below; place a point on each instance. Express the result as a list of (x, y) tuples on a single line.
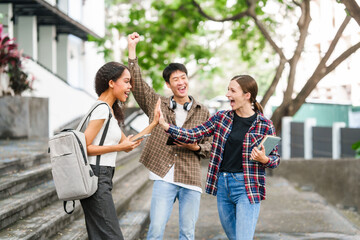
[(356, 147), (10, 63)]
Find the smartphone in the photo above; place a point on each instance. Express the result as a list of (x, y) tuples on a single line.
[(141, 137)]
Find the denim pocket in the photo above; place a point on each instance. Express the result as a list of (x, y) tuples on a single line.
[(239, 177)]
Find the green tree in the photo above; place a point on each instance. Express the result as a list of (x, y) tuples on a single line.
[(178, 28), (169, 34)]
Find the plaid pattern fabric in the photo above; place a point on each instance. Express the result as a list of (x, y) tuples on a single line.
[(157, 156), (220, 126)]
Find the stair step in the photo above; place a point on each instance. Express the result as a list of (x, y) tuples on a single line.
[(139, 204), (13, 165), (17, 155), (42, 223), (51, 219), (25, 203), (121, 195), (13, 183), (132, 223)]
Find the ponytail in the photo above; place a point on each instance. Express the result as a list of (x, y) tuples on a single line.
[(258, 107), (118, 112)]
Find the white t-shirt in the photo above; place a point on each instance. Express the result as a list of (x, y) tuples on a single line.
[(113, 135), (180, 117)]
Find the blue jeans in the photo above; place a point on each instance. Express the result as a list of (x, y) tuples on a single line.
[(238, 216), (163, 197)]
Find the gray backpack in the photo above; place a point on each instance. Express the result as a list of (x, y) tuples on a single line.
[(73, 176)]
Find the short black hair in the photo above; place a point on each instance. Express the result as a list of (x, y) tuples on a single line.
[(173, 67)]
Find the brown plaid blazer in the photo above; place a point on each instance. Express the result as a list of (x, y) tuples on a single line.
[(157, 156)]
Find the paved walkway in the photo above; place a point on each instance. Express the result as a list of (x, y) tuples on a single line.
[(286, 214)]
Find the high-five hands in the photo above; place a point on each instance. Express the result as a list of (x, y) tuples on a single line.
[(162, 122), (165, 126), (157, 111)]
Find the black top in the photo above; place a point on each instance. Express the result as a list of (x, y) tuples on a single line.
[(232, 160)]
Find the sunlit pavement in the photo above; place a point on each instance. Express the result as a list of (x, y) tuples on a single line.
[(286, 214)]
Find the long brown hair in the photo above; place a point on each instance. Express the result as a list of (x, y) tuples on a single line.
[(249, 85), (110, 71)]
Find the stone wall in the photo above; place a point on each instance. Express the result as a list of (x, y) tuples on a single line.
[(24, 117), (336, 180)]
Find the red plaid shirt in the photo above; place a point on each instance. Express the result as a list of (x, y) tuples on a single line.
[(220, 126)]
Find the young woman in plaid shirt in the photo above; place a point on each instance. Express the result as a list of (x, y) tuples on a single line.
[(236, 171)]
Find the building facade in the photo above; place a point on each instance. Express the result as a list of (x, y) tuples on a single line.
[(53, 34)]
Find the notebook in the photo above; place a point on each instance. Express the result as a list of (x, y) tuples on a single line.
[(269, 142)]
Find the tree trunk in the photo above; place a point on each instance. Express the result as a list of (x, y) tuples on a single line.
[(353, 8), (270, 91)]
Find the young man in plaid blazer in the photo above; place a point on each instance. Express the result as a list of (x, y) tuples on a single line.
[(175, 168)]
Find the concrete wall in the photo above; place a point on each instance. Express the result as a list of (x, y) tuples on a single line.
[(24, 117), (308, 141), (336, 180)]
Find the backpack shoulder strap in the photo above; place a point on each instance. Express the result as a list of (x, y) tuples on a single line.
[(88, 114), (81, 125)]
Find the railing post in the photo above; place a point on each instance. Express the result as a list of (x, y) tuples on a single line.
[(336, 139), (308, 141), (286, 137)]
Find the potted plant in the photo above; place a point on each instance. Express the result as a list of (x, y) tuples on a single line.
[(20, 116)]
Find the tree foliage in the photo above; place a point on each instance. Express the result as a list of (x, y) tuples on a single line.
[(181, 29), (170, 33), (177, 31)]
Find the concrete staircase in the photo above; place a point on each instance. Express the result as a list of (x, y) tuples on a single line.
[(29, 206)]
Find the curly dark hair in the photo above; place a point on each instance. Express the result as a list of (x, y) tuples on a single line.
[(110, 71)]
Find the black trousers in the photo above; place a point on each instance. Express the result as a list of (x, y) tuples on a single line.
[(99, 209)]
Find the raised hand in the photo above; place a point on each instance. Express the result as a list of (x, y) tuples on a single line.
[(133, 39), (162, 121), (157, 111)]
